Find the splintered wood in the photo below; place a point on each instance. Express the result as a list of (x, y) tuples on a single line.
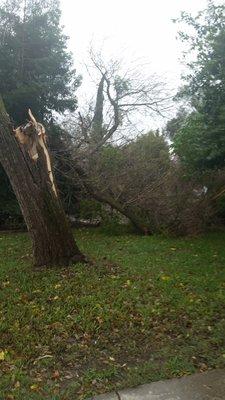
[(32, 137)]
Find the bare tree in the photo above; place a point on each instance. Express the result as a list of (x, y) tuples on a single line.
[(26, 160), (119, 97)]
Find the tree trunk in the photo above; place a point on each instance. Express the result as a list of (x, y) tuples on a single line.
[(52, 238), (126, 211), (116, 205)]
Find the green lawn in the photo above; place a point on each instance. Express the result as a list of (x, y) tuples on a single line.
[(149, 308)]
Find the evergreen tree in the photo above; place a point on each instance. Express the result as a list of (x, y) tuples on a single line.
[(200, 137), (36, 69)]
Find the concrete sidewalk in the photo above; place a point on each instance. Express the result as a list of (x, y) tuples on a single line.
[(206, 386)]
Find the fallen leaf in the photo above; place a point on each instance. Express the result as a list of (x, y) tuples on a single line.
[(165, 278), (34, 387), (58, 286), (56, 375), (5, 284)]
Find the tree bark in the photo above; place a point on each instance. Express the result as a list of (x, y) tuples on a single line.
[(52, 238), (126, 211), (116, 205)]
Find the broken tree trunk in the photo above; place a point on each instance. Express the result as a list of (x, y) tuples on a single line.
[(32, 182), (130, 214), (139, 226)]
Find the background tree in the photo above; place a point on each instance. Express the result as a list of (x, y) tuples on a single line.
[(200, 140), (10, 214), (36, 72)]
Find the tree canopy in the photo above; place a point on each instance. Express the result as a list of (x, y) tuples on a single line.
[(200, 138), (36, 68)]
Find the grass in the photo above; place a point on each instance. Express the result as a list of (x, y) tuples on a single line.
[(150, 308)]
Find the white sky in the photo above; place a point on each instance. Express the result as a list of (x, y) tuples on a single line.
[(132, 29)]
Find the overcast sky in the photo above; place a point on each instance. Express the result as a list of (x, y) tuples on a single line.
[(134, 29)]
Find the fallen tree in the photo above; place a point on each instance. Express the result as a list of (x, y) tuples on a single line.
[(25, 158), (119, 97)]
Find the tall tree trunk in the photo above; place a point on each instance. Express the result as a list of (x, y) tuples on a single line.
[(52, 238)]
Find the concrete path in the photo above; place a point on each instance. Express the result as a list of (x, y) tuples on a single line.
[(205, 386)]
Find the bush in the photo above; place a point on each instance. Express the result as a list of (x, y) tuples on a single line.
[(179, 205)]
